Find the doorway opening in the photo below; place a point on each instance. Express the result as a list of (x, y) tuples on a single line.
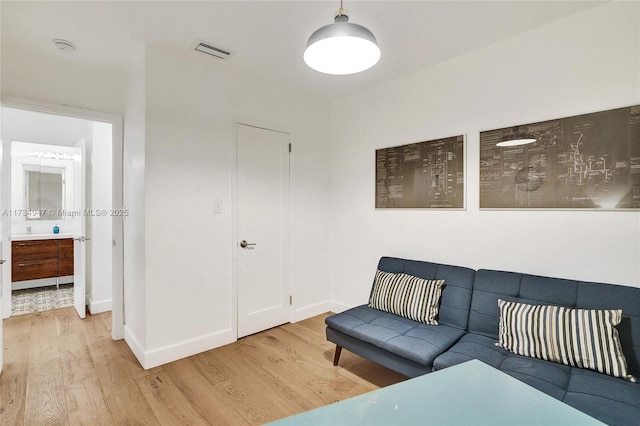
[(60, 181), (62, 190)]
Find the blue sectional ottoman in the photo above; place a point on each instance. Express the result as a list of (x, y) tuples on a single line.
[(468, 329)]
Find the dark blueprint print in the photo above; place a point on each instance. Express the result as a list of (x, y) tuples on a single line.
[(589, 161)]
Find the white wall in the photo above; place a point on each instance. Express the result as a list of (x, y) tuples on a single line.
[(191, 104), (586, 63)]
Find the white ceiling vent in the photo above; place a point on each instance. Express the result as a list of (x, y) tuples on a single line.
[(210, 49)]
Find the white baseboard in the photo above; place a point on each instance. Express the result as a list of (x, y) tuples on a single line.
[(97, 307), (309, 311), (338, 307), (134, 345), (166, 354), (319, 308), (159, 356)]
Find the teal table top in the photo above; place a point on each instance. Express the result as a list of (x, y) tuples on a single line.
[(472, 393)]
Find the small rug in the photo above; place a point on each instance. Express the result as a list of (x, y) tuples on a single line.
[(41, 299)]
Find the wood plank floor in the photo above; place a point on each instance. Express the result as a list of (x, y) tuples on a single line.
[(61, 370)]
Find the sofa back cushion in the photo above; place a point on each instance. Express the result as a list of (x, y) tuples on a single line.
[(489, 286), (456, 293), (585, 338), (407, 296)]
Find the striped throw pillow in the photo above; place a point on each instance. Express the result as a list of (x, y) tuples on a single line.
[(407, 296), (575, 337)]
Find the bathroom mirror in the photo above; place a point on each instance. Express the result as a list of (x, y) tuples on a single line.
[(42, 188), (44, 194)]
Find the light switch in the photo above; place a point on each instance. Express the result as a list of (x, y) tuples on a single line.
[(217, 206)]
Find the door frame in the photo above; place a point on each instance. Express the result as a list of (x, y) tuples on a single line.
[(116, 121), (234, 214)]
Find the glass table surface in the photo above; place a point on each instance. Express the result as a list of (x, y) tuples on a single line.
[(471, 393)]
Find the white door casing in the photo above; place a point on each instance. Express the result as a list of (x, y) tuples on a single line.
[(5, 225), (3, 233), (1, 327), (263, 240), (79, 244)]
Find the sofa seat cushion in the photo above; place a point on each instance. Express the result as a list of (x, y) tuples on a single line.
[(416, 341), (546, 376), (612, 400), (472, 346)]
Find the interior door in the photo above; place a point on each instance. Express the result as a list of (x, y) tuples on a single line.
[(79, 242), (262, 229)]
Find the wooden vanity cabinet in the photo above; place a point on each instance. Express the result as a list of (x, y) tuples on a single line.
[(36, 259), (65, 257)]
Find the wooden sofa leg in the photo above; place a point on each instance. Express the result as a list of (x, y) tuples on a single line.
[(336, 357)]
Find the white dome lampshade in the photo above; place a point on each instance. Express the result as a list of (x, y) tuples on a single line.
[(516, 137), (342, 47)]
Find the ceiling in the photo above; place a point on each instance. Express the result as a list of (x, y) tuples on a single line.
[(268, 37)]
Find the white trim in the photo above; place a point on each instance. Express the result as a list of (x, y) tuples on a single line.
[(66, 110), (234, 229), (312, 310), (337, 307), (134, 345), (293, 312), (99, 306), (117, 318), (176, 351)]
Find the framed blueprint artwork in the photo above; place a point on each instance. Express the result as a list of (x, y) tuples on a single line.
[(589, 161), (421, 175)]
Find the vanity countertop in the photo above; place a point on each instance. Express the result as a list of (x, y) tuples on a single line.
[(26, 237)]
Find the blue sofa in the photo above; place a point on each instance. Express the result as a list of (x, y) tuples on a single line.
[(468, 329)]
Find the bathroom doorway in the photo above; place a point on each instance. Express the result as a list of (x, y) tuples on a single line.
[(45, 211), (60, 183)]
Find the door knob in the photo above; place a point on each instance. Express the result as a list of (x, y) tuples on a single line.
[(2, 261), (245, 244)]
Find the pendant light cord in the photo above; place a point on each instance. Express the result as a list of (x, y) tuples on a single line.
[(341, 11)]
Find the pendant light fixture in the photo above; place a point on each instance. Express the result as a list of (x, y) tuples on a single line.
[(516, 137), (342, 47)]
